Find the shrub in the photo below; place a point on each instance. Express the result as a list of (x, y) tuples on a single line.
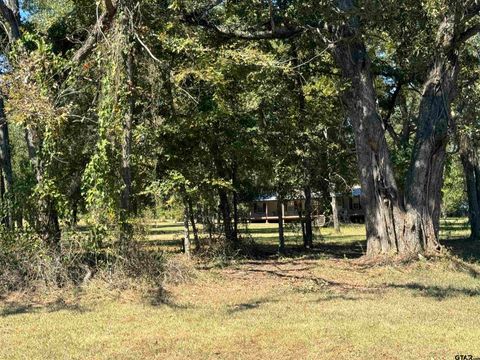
[(27, 264)]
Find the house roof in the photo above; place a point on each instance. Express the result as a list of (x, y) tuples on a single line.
[(356, 191), (266, 198), (299, 195)]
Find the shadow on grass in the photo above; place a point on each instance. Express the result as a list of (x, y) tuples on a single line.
[(264, 230), (435, 291), (248, 306), (17, 308), (464, 248), (155, 231), (347, 250), (348, 246), (331, 297), (163, 297), (162, 226), (161, 243)]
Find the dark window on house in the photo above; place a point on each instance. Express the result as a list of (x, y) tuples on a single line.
[(259, 209), (356, 203)]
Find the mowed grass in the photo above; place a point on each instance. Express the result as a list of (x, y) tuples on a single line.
[(327, 305)]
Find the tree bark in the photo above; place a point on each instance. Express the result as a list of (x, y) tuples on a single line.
[(225, 212), (186, 230), (425, 179), (396, 224), (126, 171), (74, 214), (235, 201), (196, 239), (473, 203), (380, 198), (224, 204), (308, 218), (281, 236), (6, 163), (10, 11), (470, 165), (4, 215), (336, 222)]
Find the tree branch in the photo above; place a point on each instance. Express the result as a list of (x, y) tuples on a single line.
[(467, 34), (390, 108), (277, 33), (104, 22), (199, 17), (12, 17), (472, 11)]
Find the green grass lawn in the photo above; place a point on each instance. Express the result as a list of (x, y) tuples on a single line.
[(333, 305)]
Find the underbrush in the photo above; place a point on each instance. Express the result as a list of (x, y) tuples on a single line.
[(219, 252), (27, 264)]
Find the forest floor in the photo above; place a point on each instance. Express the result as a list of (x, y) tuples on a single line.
[(330, 303)]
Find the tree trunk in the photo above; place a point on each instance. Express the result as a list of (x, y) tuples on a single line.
[(235, 202), (11, 15), (470, 165), (186, 230), (196, 239), (281, 236), (224, 205), (473, 203), (6, 165), (235, 214), (19, 219), (425, 179), (208, 225), (74, 214), (477, 178), (394, 225), (336, 222), (126, 171), (302, 224), (4, 214), (383, 212), (225, 212), (308, 217), (47, 224)]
